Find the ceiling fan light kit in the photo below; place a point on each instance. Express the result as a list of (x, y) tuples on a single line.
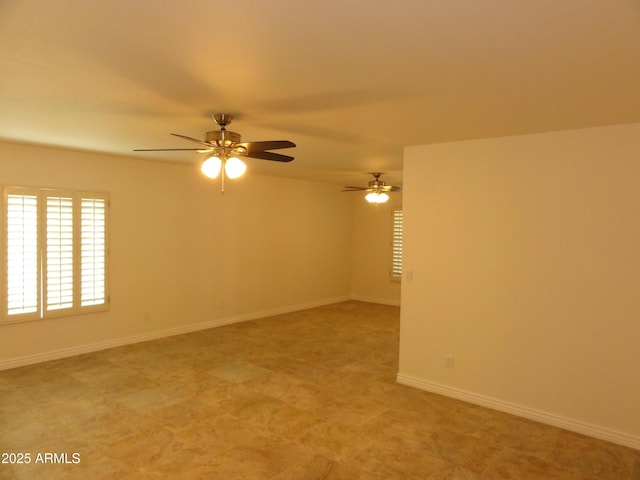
[(375, 197), (225, 147), (233, 167)]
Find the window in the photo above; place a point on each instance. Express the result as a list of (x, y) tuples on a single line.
[(396, 244), (54, 246)]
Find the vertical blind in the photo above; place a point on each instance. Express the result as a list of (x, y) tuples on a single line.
[(396, 258), (56, 252)]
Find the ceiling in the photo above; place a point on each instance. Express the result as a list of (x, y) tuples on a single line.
[(350, 82)]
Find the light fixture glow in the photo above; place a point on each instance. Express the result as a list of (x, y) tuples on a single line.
[(211, 167), (376, 197), (234, 167)]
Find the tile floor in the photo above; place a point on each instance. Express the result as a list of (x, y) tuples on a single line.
[(306, 395)]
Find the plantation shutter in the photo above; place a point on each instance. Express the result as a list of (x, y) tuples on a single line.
[(59, 253), (93, 251), (22, 260), (54, 252), (396, 258)]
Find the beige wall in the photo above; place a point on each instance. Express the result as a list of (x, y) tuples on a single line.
[(372, 234), (525, 254), (183, 255)]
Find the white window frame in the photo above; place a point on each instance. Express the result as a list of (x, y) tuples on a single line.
[(62, 237), (397, 229)]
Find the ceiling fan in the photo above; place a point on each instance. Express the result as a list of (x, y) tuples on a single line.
[(225, 146), (377, 189)]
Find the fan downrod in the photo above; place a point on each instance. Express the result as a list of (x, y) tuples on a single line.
[(223, 137), (222, 119)]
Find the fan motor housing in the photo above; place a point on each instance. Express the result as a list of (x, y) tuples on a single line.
[(224, 138)]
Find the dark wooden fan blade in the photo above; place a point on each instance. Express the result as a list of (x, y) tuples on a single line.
[(268, 145), (391, 188), (355, 189), (276, 157), (201, 142), (166, 149)]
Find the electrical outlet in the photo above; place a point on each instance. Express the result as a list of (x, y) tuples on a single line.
[(448, 361)]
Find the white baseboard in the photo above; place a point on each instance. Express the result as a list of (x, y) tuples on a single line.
[(577, 426), (382, 301), (154, 335)]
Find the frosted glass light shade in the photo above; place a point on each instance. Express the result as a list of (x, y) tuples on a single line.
[(211, 167), (375, 197), (234, 167)]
